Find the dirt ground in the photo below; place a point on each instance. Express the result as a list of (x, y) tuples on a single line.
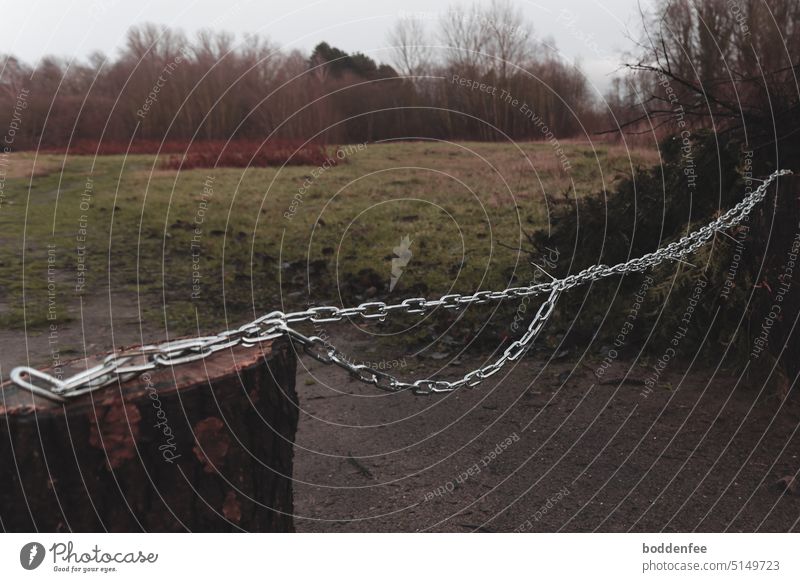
[(545, 447), (542, 446), (99, 323)]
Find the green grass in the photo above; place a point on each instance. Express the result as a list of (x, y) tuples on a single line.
[(462, 205)]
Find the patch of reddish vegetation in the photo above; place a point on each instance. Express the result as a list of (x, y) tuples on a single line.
[(246, 154), (240, 153)]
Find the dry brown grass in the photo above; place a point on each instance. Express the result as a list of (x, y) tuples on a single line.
[(24, 165)]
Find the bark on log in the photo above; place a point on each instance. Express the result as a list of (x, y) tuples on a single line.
[(201, 447)]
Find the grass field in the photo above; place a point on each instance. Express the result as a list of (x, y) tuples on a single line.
[(227, 243)]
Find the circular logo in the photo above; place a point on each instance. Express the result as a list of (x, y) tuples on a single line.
[(31, 555)]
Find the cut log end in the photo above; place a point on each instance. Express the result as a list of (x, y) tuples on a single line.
[(205, 446)]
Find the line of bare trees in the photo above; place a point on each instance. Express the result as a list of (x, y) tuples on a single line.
[(164, 85), (471, 72)]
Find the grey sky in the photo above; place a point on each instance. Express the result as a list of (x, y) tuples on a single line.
[(594, 31)]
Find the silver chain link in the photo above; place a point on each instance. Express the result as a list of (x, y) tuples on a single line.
[(123, 366)]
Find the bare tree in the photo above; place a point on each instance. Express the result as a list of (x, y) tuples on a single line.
[(411, 52), (12, 76), (465, 32), (508, 34), (727, 64)]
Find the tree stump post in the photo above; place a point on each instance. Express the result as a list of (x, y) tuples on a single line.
[(205, 446)]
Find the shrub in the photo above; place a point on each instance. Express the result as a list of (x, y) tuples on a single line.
[(656, 207)]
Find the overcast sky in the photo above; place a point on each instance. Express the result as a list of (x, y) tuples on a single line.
[(594, 31)]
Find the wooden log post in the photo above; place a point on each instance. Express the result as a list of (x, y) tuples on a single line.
[(205, 446)]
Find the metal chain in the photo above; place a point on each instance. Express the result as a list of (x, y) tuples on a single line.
[(123, 366), (325, 352)]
